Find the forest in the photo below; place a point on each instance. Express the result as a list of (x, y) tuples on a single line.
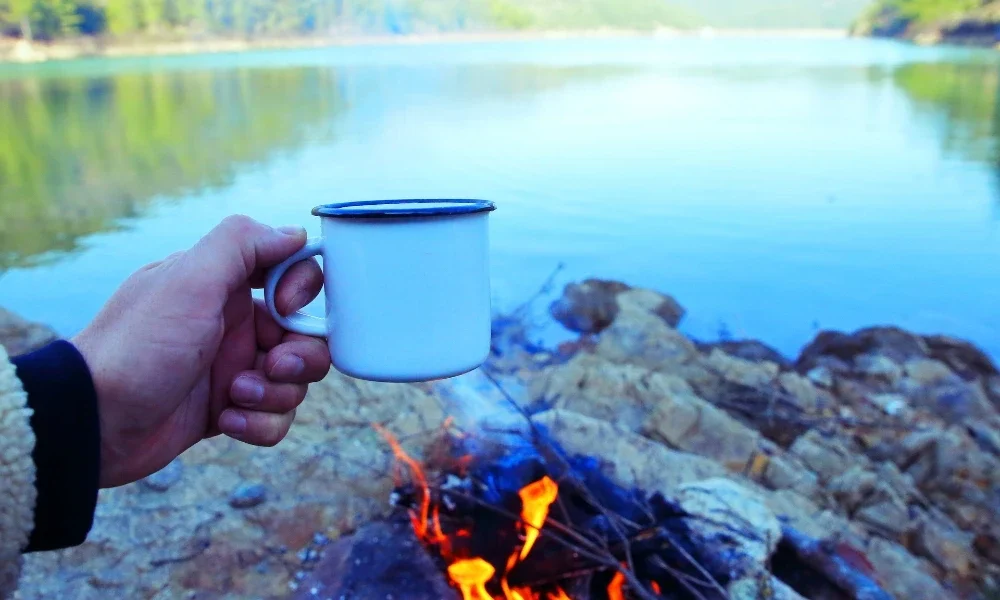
[(53, 19)]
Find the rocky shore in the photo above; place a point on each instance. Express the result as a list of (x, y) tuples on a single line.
[(882, 442)]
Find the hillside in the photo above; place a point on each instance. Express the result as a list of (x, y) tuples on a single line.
[(185, 19), (776, 13), (969, 22)]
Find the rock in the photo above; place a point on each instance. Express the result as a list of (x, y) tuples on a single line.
[(987, 437), (892, 342), (20, 336), (685, 421), (877, 367), (661, 305), (825, 456), (629, 460), (902, 574), (165, 477), (642, 338), (943, 543), (598, 388), (992, 385), (744, 372), (660, 406), (379, 561), (730, 519), (924, 371), (248, 496), (788, 473), (591, 306), (887, 516), (807, 397), (987, 543), (751, 350), (955, 402), (821, 376), (853, 487), (762, 586), (891, 404), (963, 357), (588, 307)]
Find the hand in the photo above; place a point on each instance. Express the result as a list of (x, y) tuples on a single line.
[(182, 351)]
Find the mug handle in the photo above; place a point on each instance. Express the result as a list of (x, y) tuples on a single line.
[(298, 322)]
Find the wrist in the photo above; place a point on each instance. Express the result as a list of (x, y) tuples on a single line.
[(104, 391)]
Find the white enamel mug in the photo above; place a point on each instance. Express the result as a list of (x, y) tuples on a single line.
[(407, 288)]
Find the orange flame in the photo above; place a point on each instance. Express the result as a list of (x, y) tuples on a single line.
[(656, 587), (419, 521), (535, 500), (471, 576), (615, 587)]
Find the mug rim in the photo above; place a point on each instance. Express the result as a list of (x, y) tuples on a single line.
[(452, 206)]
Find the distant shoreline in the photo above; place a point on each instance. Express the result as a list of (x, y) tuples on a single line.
[(18, 51)]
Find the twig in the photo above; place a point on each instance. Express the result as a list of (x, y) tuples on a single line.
[(545, 288), (539, 439)]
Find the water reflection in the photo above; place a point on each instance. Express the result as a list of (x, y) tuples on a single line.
[(79, 154), (960, 100)]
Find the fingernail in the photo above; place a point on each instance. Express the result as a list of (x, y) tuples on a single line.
[(232, 422), (298, 300), (247, 390), (293, 230), (288, 366)]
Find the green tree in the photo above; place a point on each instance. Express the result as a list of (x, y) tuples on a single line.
[(20, 12)]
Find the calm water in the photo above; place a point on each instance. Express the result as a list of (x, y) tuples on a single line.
[(773, 186)]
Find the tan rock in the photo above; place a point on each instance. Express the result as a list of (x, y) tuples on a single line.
[(825, 456), (687, 422), (925, 371), (853, 487), (939, 540), (807, 396), (878, 368), (598, 388), (628, 459), (902, 574), (737, 370), (642, 338), (787, 472)]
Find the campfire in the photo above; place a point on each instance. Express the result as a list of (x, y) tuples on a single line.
[(518, 521)]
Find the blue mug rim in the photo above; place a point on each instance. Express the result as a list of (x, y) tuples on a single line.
[(452, 206)]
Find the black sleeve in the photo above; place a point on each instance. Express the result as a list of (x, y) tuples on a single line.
[(67, 451)]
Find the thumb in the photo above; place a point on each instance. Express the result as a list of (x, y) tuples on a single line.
[(237, 249)]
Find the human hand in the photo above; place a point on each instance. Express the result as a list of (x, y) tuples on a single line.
[(182, 351)]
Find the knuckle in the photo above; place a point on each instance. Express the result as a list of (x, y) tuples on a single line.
[(238, 223)]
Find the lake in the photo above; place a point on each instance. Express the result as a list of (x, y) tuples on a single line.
[(774, 186)]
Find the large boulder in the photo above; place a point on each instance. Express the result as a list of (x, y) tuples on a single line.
[(897, 344), (628, 459), (591, 306)]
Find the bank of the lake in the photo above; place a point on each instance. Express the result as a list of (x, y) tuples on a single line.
[(883, 440), (932, 23), (20, 51)]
